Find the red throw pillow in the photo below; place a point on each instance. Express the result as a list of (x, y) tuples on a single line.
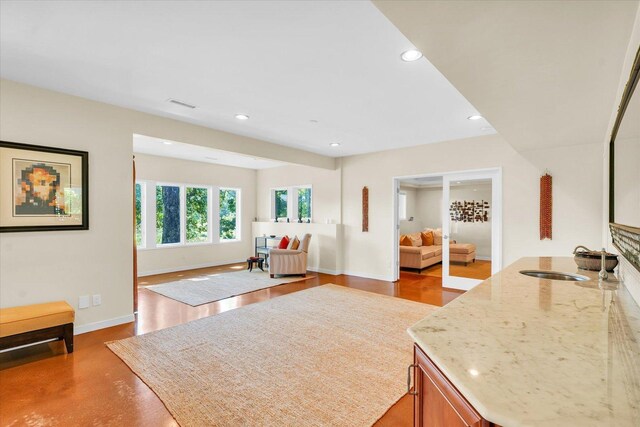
[(284, 243)]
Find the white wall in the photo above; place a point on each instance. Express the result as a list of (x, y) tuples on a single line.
[(164, 169), (577, 192), (98, 261)]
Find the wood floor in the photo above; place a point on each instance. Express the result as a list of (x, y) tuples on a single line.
[(479, 269), (42, 385)]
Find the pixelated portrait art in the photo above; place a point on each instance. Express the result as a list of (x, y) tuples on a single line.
[(43, 188), (40, 188)]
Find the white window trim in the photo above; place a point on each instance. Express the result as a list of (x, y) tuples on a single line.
[(292, 201), (148, 208)]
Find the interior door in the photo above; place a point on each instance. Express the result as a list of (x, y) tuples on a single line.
[(471, 228)]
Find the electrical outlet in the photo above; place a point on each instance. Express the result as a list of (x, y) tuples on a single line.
[(84, 302), (97, 299)]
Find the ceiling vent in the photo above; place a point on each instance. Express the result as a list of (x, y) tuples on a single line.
[(182, 104)]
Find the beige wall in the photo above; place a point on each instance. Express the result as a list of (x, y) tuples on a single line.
[(407, 226), (168, 170), (577, 186), (98, 261)]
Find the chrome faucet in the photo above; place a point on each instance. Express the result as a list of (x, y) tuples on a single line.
[(603, 275)]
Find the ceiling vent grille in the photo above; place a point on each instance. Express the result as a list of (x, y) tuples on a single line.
[(182, 104)]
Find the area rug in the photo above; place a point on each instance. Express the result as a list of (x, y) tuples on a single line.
[(214, 287), (325, 356)]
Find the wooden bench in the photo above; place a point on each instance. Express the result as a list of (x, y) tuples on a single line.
[(29, 324)]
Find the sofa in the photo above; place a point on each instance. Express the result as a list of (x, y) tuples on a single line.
[(418, 252), (291, 260)]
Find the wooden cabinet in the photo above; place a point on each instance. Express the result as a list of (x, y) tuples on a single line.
[(436, 401)]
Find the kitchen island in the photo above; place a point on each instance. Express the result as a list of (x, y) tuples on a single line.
[(522, 351)]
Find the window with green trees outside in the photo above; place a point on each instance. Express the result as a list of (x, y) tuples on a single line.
[(228, 214), (197, 226)]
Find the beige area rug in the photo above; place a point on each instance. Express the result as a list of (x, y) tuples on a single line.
[(214, 287), (325, 356)]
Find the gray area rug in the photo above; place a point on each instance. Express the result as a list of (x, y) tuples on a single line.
[(325, 356), (213, 287)]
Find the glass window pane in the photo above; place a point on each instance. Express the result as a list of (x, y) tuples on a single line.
[(304, 203), (228, 214), (281, 203), (167, 214), (197, 215), (139, 217)]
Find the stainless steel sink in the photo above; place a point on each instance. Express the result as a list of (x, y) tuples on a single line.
[(554, 275)]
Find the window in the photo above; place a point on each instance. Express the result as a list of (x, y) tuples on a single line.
[(281, 210), (170, 215), (402, 206), (304, 203), (294, 203), (140, 215), (167, 214), (229, 214), (197, 212)]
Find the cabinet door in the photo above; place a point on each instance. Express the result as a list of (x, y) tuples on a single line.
[(437, 402)]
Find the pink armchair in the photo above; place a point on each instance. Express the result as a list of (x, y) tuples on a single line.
[(290, 261)]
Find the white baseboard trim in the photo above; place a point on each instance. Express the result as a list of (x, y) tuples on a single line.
[(325, 271), (187, 267), (484, 258), (368, 275), (89, 327)]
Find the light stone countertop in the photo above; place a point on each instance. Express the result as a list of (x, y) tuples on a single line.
[(532, 352)]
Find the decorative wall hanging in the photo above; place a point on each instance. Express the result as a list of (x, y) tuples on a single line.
[(43, 188), (627, 240), (365, 209), (469, 211), (546, 199)]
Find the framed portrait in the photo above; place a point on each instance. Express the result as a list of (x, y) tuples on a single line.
[(43, 188)]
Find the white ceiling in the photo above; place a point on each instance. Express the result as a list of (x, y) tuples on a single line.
[(166, 148), (283, 63), (545, 73)]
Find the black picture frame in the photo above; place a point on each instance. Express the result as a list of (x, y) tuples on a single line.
[(84, 161)]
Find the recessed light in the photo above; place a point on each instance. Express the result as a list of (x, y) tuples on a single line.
[(474, 372), (458, 182), (334, 144), (167, 142), (242, 117), (474, 117), (411, 55)]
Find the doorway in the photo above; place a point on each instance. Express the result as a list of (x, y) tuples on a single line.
[(462, 212)]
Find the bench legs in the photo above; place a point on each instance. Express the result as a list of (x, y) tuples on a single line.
[(61, 332)]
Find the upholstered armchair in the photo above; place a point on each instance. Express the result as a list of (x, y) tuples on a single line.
[(290, 261)]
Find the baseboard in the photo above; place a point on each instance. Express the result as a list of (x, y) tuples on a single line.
[(483, 258), (89, 327), (187, 267), (324, 271), (367, 275)]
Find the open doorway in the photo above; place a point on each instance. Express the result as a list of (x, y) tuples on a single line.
[(449, 226)]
